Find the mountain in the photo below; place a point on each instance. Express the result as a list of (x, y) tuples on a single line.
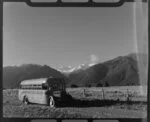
[(121, 71), (12, 75), (90, 75)]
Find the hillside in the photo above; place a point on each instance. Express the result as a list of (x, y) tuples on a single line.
[(12, 75), (121, 71)]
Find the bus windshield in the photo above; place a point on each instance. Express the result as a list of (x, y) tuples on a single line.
[(56, 84)]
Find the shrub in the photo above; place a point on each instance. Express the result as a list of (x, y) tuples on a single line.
[(89, 85), (74, 86), (106, 84), (99, 85)]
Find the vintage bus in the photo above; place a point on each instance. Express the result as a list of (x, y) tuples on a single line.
[(48, 91)]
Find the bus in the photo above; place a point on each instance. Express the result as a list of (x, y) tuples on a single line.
[(49, 91)]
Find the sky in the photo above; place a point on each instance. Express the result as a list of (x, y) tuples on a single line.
[(66, 36)]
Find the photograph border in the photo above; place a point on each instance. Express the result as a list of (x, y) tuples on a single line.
[(60, 4)]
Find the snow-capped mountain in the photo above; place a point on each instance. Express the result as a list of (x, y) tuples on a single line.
[(69, 69), (66, 69)]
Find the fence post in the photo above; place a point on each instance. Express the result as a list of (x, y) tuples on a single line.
[(128, 96), (84, 92), (103, 94)]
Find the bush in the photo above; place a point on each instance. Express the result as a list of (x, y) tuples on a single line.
[(74, 86), (99, 85), (106, 84), (89, 85)]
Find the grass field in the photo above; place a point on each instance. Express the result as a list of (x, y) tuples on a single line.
[(109, 102)]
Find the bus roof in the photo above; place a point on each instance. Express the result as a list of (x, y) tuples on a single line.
[(34, 81), (41, 81)]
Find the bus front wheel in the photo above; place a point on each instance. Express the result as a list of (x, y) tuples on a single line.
[(51, 102)]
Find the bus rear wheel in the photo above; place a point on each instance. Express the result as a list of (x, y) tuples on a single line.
[(51, 102), (25, 100)]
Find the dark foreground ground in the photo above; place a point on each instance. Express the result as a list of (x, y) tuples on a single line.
[(88, 104)]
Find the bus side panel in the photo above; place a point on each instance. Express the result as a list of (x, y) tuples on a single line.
[(28, 93), (34, 96), (43, 97), (31, 96), (37, 96)]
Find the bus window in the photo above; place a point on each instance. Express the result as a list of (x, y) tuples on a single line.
[(54, 86)]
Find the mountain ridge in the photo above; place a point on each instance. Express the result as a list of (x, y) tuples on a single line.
[(13, 75), (120, 71)]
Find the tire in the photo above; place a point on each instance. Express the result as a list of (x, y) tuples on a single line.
[(51, 102), (25, 100)]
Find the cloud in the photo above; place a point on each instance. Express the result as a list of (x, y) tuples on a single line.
[(94, 58)]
